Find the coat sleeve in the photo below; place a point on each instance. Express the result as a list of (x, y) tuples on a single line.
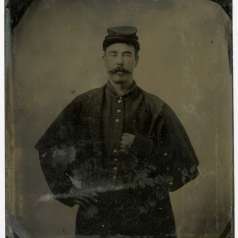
[(57, 152), (170, 150)]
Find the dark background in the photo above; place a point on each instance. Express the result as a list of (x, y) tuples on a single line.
[(18, 8), (56, 55)]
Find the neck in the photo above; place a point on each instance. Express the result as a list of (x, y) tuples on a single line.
[(121, 88)]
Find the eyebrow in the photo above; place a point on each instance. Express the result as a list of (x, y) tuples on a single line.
[(127, 52), (112, 51), (115, 52)]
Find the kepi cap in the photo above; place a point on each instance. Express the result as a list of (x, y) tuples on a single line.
[(121, 34)]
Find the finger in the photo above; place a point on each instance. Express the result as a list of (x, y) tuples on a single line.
[(124, 136), (88, 201), (123, 149), (90, 196), (81, 204), (124, 141), (86, 196), (125, 144), (122, 146), (92, 199)]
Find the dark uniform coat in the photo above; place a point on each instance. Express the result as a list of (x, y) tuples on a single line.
[(161, 159)]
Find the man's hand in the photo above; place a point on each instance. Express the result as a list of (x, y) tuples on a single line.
[(126, 142), (84, 198)]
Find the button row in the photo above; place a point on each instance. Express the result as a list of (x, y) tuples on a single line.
[(115, 168), (119, 100)]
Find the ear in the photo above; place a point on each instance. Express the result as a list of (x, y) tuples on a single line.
[(103, 55), (136, 59), (104, 58)]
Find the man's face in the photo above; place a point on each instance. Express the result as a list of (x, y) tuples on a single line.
[(120, 60)]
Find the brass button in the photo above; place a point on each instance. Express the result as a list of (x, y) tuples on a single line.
[(115, 168), (119, 100), (115, 159), (115, 151), (117, 120), (118, 110)]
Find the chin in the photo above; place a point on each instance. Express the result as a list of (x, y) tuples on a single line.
[(119, 79)]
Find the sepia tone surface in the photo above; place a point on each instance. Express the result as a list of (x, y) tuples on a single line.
[(183, 59)]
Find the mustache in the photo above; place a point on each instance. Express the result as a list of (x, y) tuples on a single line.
[(119, 69)]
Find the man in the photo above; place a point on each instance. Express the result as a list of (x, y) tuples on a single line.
[(117, 151)]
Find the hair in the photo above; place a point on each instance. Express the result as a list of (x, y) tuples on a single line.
[(134, 44)]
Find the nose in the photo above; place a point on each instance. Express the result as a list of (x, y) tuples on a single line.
[(119, 60)]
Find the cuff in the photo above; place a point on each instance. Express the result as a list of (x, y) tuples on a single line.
[(67, 201), (142, 146)]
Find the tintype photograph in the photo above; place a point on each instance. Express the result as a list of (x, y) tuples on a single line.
[(119, 118)]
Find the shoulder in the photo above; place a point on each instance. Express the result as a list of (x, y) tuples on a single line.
[(158, 106), (91, 93), (154, 102), (88, 95)]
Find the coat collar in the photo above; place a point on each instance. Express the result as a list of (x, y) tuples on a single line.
[(132, 91)]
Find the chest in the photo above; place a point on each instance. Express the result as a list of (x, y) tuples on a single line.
[(126, 115)]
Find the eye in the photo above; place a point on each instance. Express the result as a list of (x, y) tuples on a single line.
[(127, 54), (113, 54)]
